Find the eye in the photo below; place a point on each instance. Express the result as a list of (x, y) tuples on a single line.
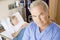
[(41, 13)]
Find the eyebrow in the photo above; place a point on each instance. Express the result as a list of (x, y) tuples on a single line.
[(41, 13), (34, 15)]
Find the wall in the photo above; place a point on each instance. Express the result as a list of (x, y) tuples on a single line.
[(58, 13), (53, 9), (4, 11)]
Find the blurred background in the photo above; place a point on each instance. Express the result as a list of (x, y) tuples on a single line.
[(8, 7)]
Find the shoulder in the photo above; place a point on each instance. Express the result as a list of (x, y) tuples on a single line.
[(56, 28), (56, 31)]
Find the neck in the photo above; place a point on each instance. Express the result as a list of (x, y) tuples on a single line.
[(42, 27)]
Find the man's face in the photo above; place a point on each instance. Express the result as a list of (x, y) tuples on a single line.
[(39, 16)]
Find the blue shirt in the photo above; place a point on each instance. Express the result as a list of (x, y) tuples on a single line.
[(52, 32)]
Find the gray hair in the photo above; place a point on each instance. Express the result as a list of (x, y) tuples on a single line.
[(38, 3)]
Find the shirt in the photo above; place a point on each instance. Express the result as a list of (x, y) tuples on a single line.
[(51, 32)]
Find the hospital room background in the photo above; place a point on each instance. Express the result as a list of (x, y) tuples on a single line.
[(9, 7)]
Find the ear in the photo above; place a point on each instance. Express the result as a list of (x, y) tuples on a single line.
[(48, 13)]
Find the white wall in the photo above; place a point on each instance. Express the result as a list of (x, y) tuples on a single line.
[(4, 11)]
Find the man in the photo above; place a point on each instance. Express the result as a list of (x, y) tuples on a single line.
[(42, 28)]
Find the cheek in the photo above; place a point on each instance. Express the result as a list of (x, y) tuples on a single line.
[(36, 20), (44, 18)]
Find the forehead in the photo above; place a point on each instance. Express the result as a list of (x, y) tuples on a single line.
[(36, 10)]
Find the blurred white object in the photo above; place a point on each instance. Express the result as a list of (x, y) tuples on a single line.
[(0, 38), (20, 19), (17, 3), (9, 28)]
